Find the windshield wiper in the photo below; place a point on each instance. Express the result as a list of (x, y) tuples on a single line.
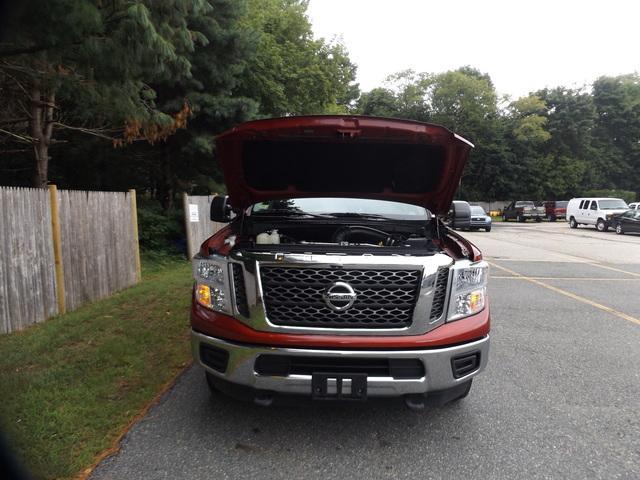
[(292, 213), (373, 216)]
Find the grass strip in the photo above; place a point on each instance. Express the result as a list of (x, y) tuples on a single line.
[(71, 384)]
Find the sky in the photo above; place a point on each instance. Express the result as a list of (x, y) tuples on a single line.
[(523, 46)]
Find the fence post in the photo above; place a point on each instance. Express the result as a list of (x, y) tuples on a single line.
[(57, 248), (187, 224), (134, 226)]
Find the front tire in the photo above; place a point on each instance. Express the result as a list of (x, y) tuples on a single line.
[(521, 219), (488, 229), (573, 223), (619, 229), (552, 218), (538, 219), (601, 225)]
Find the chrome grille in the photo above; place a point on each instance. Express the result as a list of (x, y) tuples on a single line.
[(439, 294), (239, 290), (385, 298)]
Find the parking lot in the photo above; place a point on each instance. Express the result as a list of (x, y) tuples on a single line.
[(559, 398)]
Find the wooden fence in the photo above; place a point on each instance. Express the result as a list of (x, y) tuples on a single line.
[(198, 224), (61, 249), (27, 271)]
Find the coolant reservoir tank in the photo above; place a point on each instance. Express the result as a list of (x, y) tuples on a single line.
[(275, 237), (263, 238)]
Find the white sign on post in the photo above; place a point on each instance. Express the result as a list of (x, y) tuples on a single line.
[(193, 213)]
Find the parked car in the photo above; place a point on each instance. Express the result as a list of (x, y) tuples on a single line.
[(480, 219), (627, 222), (555, 209), (594, 211), (634, 206), (459, 216), (344, 284), (522, 211)]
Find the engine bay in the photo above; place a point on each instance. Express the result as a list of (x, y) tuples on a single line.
[(378, 237)]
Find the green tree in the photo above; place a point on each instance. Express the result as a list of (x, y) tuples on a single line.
[(568, 156), (617, 132), (412, 92), (525, 136), (465, 101), (91, 61), (291, 72), (186, 160), (528, 114), (379, 102)]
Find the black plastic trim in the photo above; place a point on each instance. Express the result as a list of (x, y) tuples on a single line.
[(285, 365), (465, 364), (213, 357)]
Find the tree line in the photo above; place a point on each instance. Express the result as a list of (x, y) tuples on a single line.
[(117, 94), (555, 143)]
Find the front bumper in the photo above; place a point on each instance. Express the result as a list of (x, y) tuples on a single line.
[(437, 362), (480, 223)]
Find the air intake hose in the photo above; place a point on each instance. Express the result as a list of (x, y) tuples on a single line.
[(360, 234)]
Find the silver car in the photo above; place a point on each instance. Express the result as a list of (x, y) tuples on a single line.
[(480, 219)]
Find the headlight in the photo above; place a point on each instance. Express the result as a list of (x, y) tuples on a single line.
[(468, 290), (207, 270), (212, 283)]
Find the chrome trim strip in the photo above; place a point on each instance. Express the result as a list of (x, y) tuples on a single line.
[(252, 261), (437, 362), (462, 139)]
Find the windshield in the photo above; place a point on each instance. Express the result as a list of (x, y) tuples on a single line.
[(475, 210), (525, 204), (341, 207), (561, 204), (612, 204)]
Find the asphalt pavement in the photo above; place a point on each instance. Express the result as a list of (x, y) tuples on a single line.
[(559, 399)]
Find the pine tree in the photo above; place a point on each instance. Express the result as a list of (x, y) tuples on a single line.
[(91, 61)]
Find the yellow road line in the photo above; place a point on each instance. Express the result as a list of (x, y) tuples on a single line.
[(567, 278), (615, 269), (599, 306)]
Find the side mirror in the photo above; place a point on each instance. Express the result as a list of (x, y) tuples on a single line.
[(221, 209)]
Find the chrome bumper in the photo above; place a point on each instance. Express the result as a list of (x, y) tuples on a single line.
[(437, 363)]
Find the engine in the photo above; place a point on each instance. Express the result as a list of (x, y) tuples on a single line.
[(355, 236)]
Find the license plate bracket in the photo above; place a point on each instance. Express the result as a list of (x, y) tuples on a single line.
[(339, 386)]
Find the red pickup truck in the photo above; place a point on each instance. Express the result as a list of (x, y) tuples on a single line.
[(336, 278), (556, 209)]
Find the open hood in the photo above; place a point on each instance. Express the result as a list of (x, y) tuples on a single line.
[(342, 156)]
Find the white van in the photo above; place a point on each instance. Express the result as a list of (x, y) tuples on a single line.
[(594, 211)]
